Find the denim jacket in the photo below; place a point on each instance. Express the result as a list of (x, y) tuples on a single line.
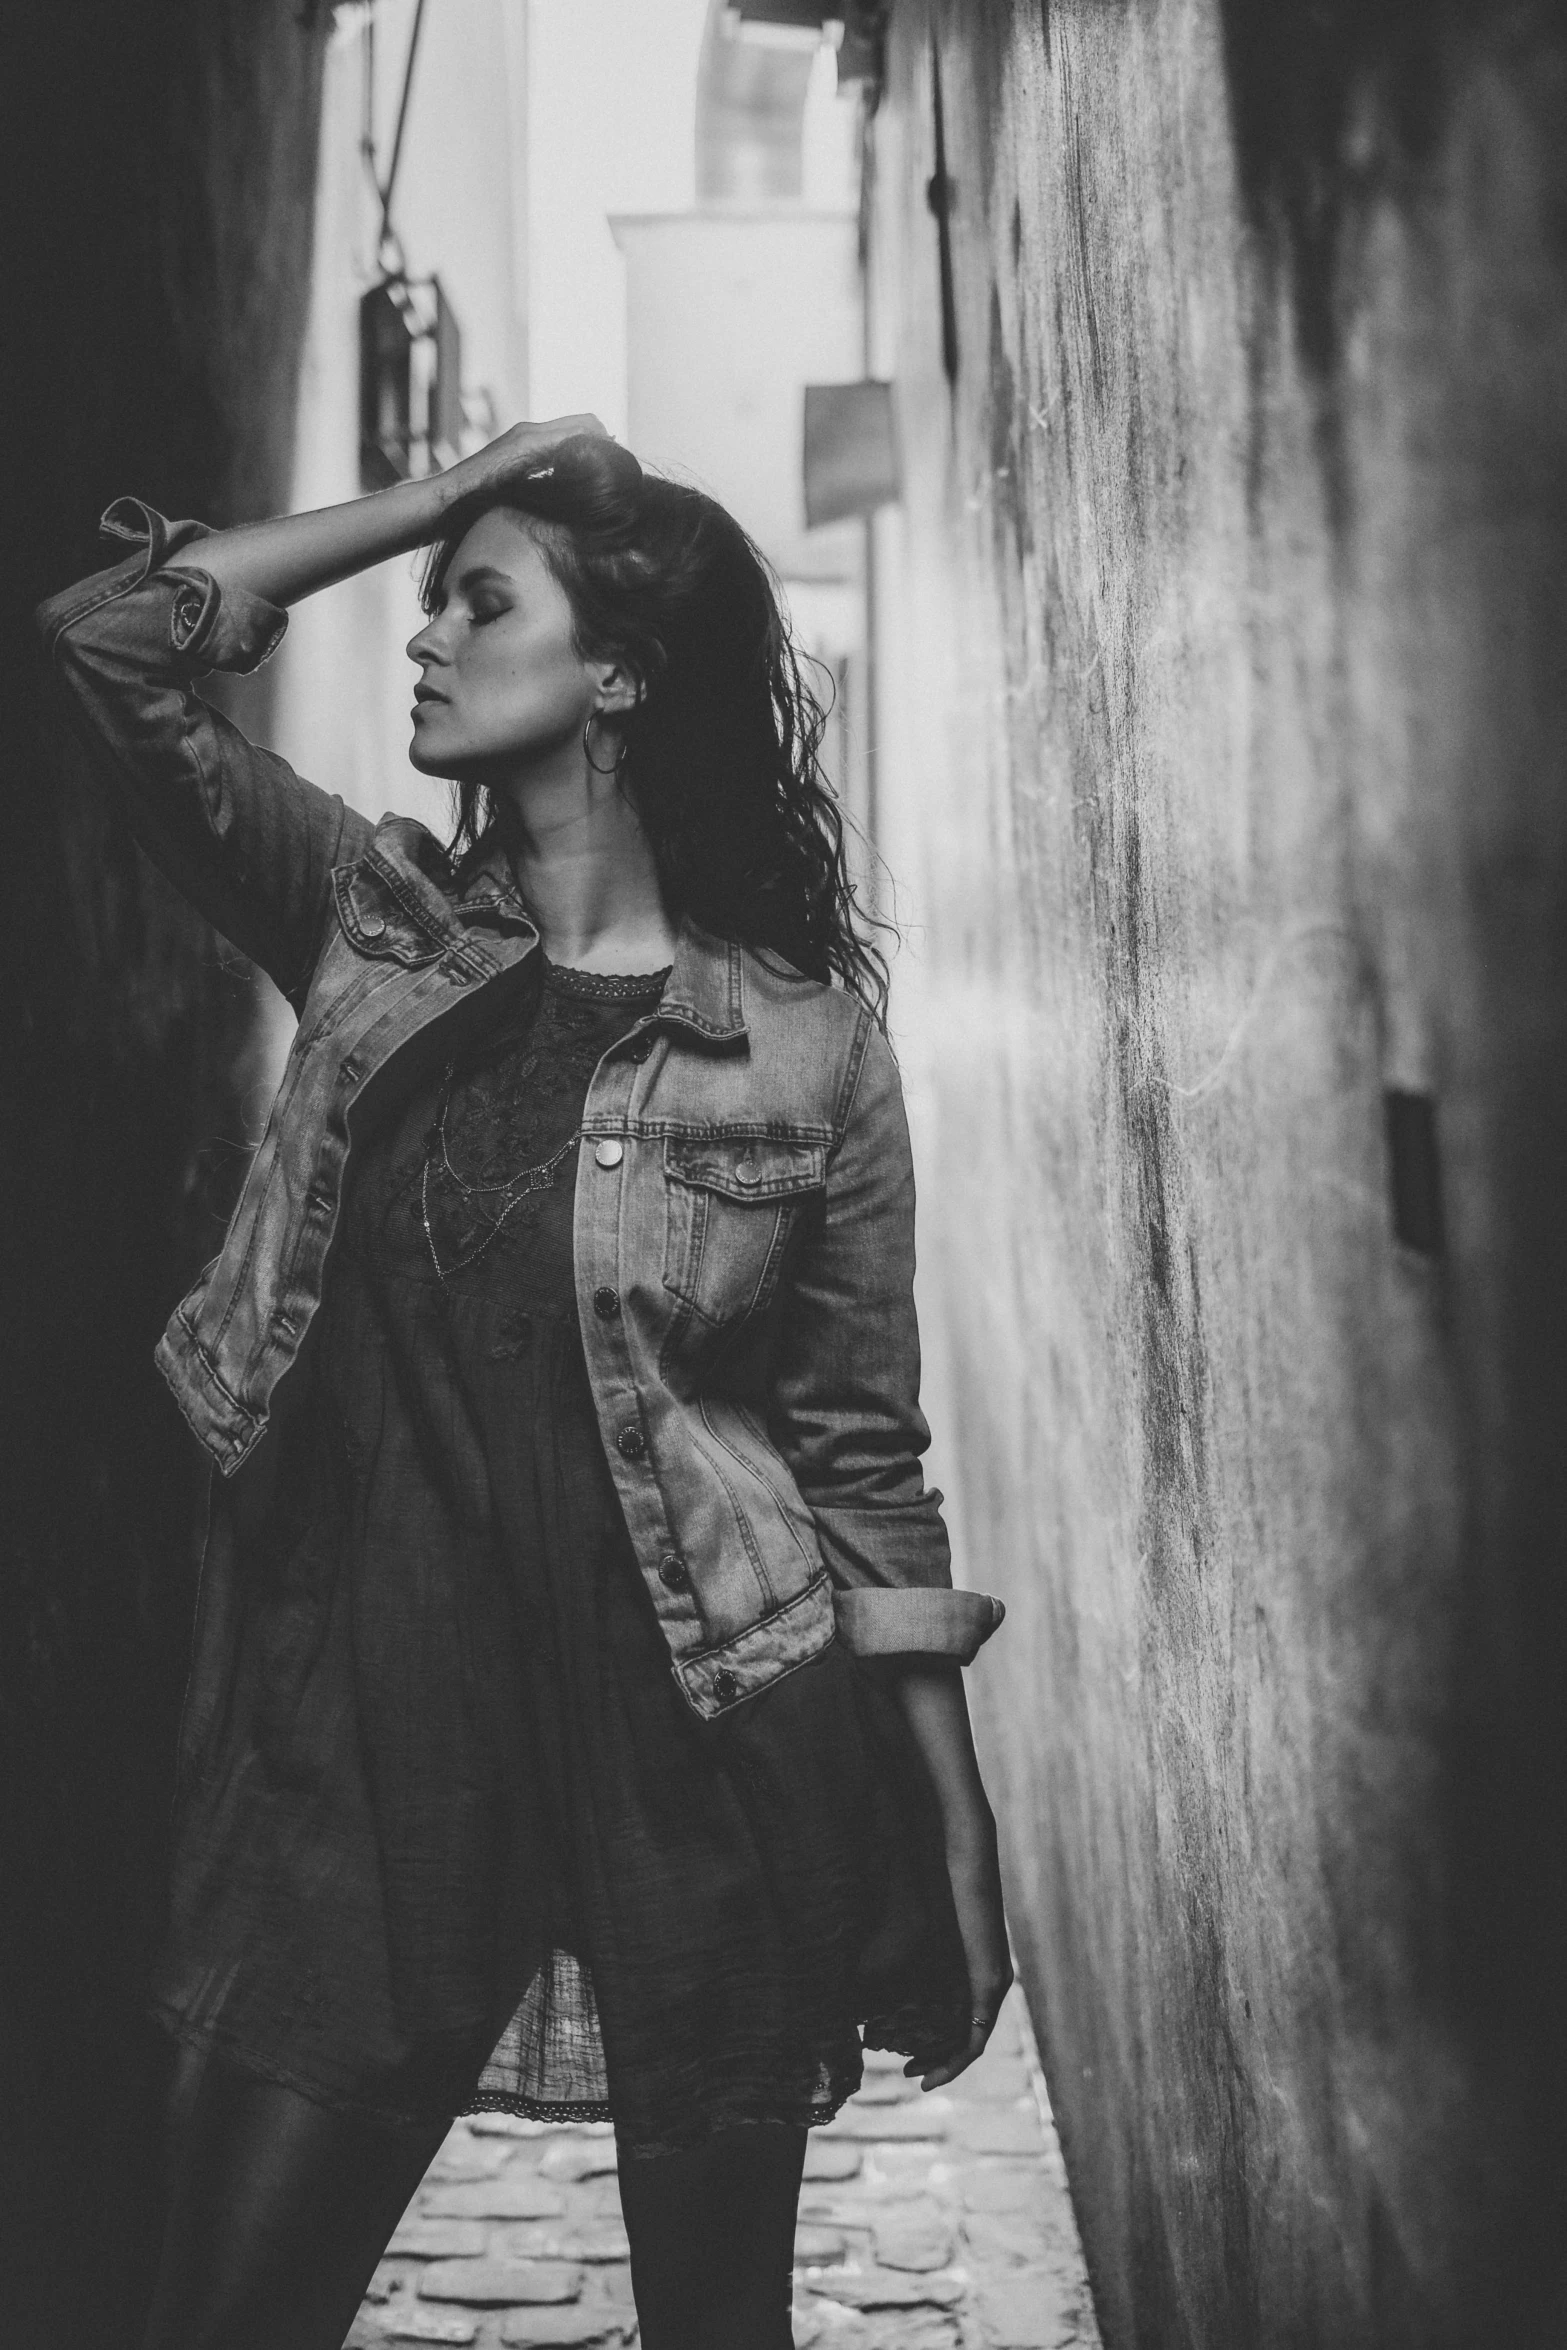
[(744, 1209)]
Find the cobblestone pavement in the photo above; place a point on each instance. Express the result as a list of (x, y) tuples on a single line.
[(935, 2222)]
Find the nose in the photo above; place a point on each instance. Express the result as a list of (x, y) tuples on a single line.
[(426, 646)]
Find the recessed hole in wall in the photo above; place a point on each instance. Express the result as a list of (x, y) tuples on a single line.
[(1414, 1170)]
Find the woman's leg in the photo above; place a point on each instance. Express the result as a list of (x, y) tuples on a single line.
[(712, 2239), (278, 2212)]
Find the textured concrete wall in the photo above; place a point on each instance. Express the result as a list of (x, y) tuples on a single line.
[(1225, 708), (158, 174)]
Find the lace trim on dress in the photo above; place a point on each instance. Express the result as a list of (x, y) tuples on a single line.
[(536, 2109), (813, 2115), (617, 987)]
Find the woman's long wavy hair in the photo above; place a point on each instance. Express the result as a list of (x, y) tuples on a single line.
[(721, 752)]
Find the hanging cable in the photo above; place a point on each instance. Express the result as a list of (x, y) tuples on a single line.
[(367, 110), (402, 123)]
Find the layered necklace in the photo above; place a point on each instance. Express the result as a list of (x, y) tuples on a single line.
[(491, 1204), (506, 1196)]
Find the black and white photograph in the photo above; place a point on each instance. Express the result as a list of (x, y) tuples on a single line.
[(783, 1129)]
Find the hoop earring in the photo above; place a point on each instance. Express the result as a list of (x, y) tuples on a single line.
[(619, 759)]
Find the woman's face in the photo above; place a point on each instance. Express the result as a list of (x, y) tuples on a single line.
[(502, 682)]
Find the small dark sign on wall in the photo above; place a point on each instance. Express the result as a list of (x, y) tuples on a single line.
[(851, 450)]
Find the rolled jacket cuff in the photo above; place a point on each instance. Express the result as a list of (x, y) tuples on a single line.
[(900, 1621), (208, 627), (216, 628), (143, 527), (887, 1546)]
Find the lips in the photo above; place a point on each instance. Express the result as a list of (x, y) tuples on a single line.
[(427, 693)]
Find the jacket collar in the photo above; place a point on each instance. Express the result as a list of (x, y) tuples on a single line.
[(420, 871), (706, 987), (705, 993), (492, 887)]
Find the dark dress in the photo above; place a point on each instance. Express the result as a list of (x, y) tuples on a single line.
[(453, 1837)]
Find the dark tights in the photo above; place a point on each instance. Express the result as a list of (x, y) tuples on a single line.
[(712, 2239), (280, 2209)]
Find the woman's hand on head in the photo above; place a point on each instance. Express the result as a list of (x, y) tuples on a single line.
[(514, 454)]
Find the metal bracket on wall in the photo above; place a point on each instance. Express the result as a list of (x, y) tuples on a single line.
[(411, 405), (862, 53)]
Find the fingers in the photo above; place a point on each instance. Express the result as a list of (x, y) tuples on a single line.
[(569, 428), (961, 2058), (989, 1996), (522, 445), (981, 2024)]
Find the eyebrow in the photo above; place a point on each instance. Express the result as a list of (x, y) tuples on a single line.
[(481, 574)]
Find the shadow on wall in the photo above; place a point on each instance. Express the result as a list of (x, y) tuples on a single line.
[(159, 174), (1332, 103)]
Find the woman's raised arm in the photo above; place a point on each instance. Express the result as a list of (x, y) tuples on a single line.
[(249, 842), (294, 555)]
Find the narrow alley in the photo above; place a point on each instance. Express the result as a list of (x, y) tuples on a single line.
[(937, 2222), (1152, 415)]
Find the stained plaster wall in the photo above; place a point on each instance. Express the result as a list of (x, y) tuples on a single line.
[(1223, 717)]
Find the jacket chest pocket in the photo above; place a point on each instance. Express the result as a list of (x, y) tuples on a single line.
[(376, 921), (377, 938), (732, 1205)]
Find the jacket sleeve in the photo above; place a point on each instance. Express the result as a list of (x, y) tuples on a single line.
[(845, 1391), (246, 840)]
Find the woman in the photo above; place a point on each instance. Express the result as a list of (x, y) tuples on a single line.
[(575, 1722)]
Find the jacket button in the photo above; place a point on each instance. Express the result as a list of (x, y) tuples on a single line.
[(609, 1153), (631, 1442), (640, 1050), (606, 1303), (748, 1172), (672, 1570), (725, 1687)]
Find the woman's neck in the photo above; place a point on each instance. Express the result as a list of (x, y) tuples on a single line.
[(587, 873)]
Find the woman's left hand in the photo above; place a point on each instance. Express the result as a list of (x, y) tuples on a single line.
[(930, 1690), (975, 1871)]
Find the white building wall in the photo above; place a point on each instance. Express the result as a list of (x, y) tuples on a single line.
[(729, 316), (344, 683)]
